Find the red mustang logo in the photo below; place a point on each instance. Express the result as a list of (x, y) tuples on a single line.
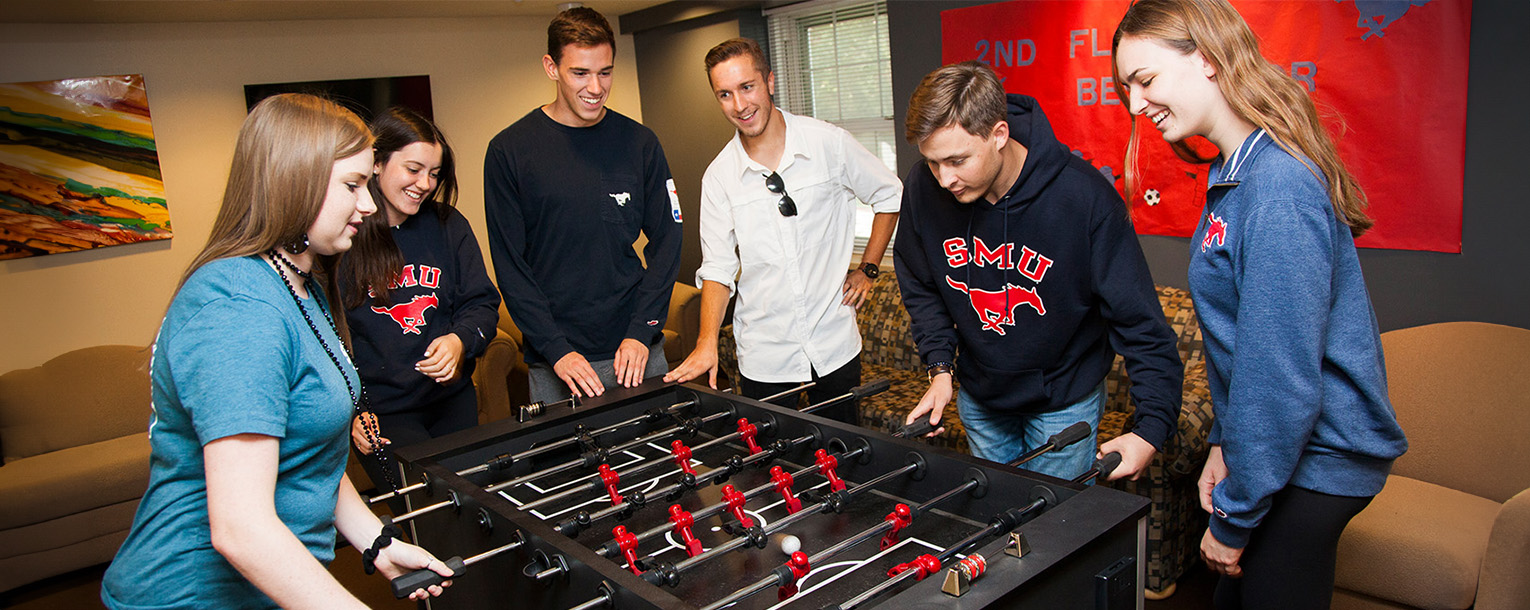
[(1216, 231), (997, 308), (410, 316)]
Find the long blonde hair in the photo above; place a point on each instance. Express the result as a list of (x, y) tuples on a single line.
[(279, 178), (1259, 91)]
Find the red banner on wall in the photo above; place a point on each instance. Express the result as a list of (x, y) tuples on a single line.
[(1389, 78)]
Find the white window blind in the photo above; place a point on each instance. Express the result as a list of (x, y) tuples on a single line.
[(833, 63)]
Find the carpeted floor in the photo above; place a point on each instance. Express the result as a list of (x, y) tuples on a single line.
[(80, 590)]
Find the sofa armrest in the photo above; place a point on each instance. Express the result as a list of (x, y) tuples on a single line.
[(491, 379), (1503, 585), (684, 317)]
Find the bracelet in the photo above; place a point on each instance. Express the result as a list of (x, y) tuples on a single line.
[(937, 368), (384, 538)]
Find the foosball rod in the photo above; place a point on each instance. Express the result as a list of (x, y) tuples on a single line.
[(784, 576), (594, 483), (731, 467), (610, 549), (588, 519), (1004, 522), (859, 391), (807, 511), (566, 466), (420, 579), (876, 386), (594, 480), (1072, 434), (506, 459), (599, 456)]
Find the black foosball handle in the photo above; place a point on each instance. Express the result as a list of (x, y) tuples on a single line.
[(916, 429), (1072, 434), (421, 579), (1101, 469), (877, 386), (1108, 464), (1069, 435)]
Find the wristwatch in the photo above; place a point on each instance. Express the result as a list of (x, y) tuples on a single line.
[(870, 270)]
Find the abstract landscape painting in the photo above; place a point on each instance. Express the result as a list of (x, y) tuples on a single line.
[(78, 166)]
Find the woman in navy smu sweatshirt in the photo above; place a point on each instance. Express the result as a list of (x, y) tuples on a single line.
[(417, 297)]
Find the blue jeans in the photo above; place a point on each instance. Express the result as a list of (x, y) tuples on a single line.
[(546, 386), (1003, 437)]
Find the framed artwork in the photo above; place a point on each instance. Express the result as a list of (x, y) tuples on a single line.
[(78, 166), (364, 96)]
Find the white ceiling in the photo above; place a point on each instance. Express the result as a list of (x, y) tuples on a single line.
[(159, 11)]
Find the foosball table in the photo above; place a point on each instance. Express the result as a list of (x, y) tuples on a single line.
[(682, 497)]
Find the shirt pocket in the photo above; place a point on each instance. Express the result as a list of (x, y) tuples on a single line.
[(826, 210), (622, 200), (755, 226)]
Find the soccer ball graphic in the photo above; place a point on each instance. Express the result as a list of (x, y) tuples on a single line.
[(1152, 197)]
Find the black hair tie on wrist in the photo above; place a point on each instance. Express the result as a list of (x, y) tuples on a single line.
[(384, 538)]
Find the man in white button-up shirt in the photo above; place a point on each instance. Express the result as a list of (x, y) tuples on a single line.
[(778, 215)]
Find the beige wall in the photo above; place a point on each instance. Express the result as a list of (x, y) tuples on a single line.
[(484, 72)]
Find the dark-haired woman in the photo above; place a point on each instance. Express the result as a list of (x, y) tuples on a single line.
[(1304, 434), (253, 391), (420, 304)]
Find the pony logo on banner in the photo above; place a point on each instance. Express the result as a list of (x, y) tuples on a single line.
[(1389, 79)]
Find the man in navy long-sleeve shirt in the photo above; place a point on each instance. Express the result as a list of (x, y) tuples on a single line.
[(568, 188)]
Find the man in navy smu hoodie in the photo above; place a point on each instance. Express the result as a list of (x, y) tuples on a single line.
[(1023, 278)]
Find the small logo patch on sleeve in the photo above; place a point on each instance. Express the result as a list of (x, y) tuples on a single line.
[(674, 200)]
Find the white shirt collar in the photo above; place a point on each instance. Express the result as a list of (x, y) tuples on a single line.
[(794, 149)]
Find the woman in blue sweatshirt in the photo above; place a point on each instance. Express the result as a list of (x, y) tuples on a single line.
[(420, 304), (1304, 434)]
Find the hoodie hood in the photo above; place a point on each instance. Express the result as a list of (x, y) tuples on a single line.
[(1046, 157)]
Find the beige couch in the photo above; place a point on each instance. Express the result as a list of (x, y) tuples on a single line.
[(73, 433), (1451, 530)]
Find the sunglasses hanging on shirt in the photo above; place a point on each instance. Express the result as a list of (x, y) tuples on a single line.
[(774, 184)]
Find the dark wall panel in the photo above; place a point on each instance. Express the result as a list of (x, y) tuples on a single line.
[(679, 107)]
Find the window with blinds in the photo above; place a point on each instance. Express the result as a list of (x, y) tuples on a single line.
[(832, 62)]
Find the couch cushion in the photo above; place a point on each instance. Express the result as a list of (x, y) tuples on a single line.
[(84, 396), (67, 544), (884, 325), (1456, 387), (1429, 539), (73, 480)]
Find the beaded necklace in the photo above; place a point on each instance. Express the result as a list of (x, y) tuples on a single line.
[(369, 424)]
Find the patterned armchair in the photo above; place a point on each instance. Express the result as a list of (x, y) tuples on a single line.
[(1175, 520)]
